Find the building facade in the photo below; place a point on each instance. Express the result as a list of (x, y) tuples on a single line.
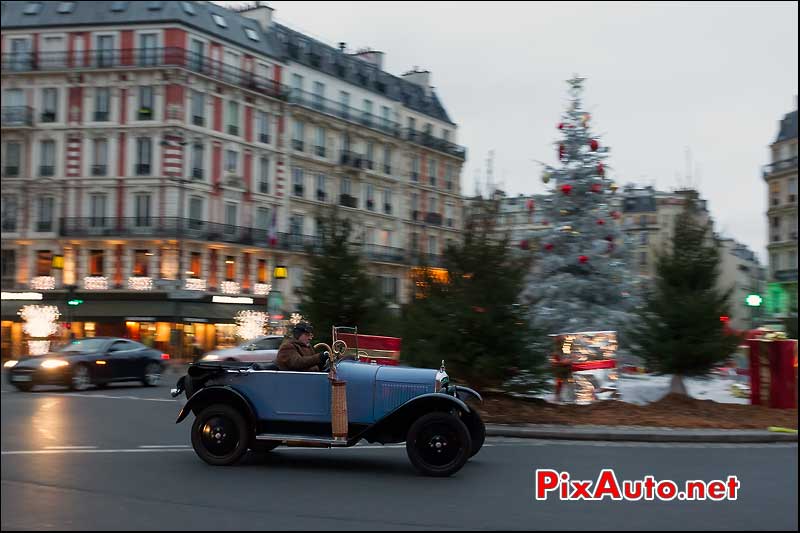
[(780, 176), (165, 154)]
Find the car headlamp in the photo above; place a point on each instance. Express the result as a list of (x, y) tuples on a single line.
[(11, 363), (211, 357), (53, 363)]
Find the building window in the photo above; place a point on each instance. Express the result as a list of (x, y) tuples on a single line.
[(415, 206), (146, 106), (433, 170), (105, 51), (195, 212), (263, 176), (219, 20), (198, 108), (345, 186), (100, 164), (8, 259), (320, 147), (319, 96), (144, 156), (230, 268), (792, 190), (233, 118), (263, 127), (197, 161), (387, 159), (432, 249), (370, 195), (297, 182), (297, 86), (97, 210), (231, 161), (102, 104), (322, 192), (195, 265), (414, 167), (367, 116), (261, 272), (141, 260), (643, 237), (370, 155), (448, 215), (344, 102), (298, 134), (47, 166), (9, 213), (45, 212), (643, 260), (49, 105), (251, 34), (230, 216), (296, 224), (148, 49), (262, 218), (11, 169), (44, 262), (96, 262), (142, 210)]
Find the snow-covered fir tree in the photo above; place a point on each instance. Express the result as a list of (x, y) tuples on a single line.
[(580, 280)]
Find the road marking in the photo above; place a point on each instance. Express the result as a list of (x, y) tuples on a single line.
[(124, 450), (159, 446), (70, 447)]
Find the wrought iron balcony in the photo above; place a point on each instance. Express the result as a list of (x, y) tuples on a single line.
[(429, 141), (17, 116), (780, 166), (348, 201), (343, 111), (375, 252), (128, 58), (99, 170), (352, 159), (433, 219)]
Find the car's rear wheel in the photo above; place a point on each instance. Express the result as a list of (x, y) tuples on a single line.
[(438, 444), (152, 374), (80, 379), (220, 435)]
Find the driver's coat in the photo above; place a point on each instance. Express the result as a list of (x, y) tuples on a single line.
[(294, 355)]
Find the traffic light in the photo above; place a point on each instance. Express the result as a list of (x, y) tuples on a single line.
[(75, 301), (72, 298), (753, 300)]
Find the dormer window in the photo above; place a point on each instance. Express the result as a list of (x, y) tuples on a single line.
[(66, 7), (188, 7), (219, 20), (251, 33), (33, 8), (154, 6), (119, 6)]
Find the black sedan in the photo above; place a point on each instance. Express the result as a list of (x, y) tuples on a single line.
[(90, 361)]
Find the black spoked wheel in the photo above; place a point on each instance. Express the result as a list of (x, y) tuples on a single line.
[(438, 444), (477, 431), (220, 435)]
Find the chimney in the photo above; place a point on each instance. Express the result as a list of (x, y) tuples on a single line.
[(342, 46), (419, 77), (261, 13), (373, 57)]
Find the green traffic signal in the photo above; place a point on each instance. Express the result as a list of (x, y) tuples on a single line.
[(75, 302)]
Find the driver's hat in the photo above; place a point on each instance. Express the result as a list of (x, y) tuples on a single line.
[(300, 328)]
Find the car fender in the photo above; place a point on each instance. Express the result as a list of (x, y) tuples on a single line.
[(217, 394), (463, 393), (394, 426)]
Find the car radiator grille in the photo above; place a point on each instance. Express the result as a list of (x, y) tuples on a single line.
[(392, 395)]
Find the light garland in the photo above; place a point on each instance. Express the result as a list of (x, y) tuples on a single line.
[(40, 323), (95, 283), (43, 283), (262, 289), (230, 287), (194, 284), (137, 283), (251, 324), (295, 319)]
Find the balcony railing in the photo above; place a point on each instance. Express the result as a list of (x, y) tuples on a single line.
[(340, 110), (320, 151), (434, 219), (47, 170), (11, 172), (375, 252), (99, 170), (429, 141), (17, 116), (126, 58), (780, 166), (143, 169), (352, 159), (348, 201)]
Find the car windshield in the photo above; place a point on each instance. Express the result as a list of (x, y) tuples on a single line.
[(82, 346)]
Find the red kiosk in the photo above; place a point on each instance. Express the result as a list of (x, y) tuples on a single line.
[(773, 369)]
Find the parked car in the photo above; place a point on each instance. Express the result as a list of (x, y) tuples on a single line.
[(240, 406), (90, 361), (261, 349)]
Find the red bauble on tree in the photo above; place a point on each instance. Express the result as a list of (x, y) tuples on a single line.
[(531, 204), (561, 125), (561, 151), (524, 244), (583, 259), (593, 144), (566, 189), (601, 169), (596, 187), (600, 222), (548, 246), (615, 215)]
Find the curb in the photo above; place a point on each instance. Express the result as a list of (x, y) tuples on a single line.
[(649, 434)]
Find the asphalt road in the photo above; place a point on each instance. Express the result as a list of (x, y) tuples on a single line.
[(114, 459)]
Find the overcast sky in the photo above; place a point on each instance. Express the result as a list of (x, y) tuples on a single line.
[(715, 77)]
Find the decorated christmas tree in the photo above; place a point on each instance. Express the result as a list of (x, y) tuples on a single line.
[(580, 280)]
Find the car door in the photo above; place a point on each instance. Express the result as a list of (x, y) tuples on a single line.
[(122, 358)]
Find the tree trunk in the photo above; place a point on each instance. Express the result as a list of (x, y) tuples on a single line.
[(676, 385)]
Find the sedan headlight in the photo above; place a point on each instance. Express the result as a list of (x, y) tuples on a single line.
[(9, 364), (53, 363), (211, 357)]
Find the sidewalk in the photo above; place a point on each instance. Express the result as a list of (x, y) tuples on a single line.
[(637, 433)]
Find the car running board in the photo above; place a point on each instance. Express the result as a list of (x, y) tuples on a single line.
[(303, 440)]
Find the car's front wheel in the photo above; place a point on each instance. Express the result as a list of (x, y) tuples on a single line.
[(220, 435), (81, 379), (438, 444), (24, 387)]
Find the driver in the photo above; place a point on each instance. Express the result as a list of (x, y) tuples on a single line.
[(297, 354)]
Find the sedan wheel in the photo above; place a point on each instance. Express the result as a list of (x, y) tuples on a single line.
[(438, 444), (152, 374), (220, 435), (80, 378)]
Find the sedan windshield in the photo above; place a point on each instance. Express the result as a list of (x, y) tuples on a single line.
[(83, 346)]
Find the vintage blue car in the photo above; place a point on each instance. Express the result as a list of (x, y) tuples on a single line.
[(241, 406)]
